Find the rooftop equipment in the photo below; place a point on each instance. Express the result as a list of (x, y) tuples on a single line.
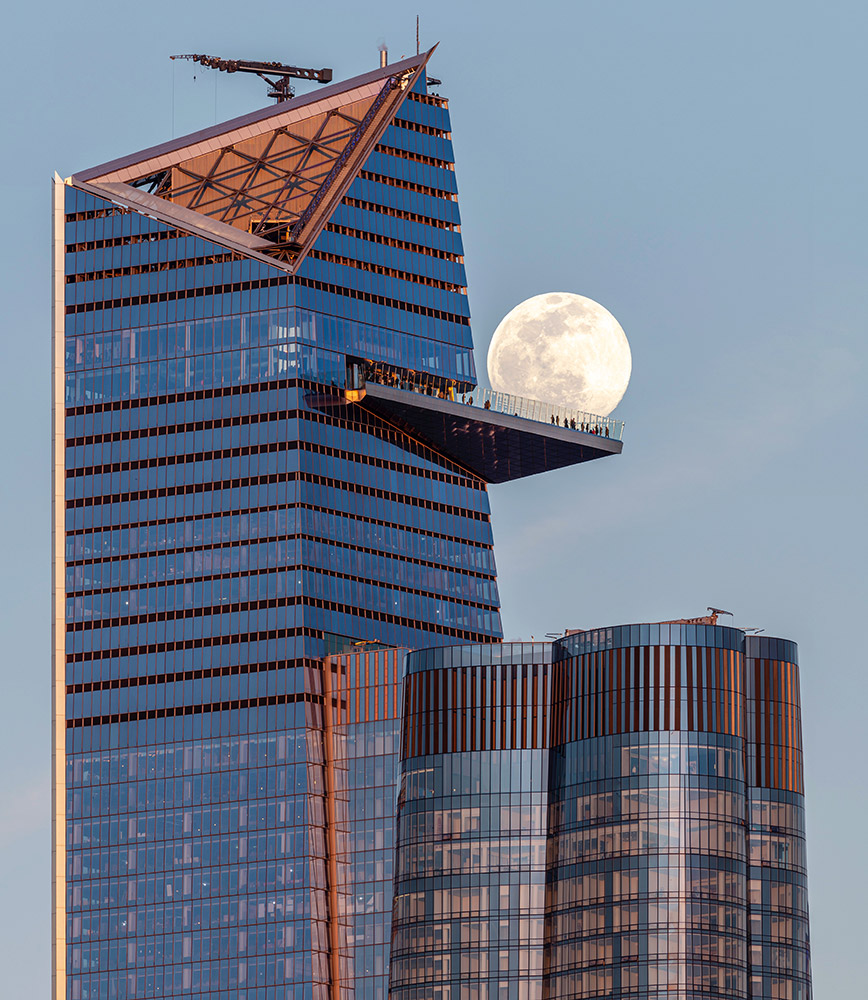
[(275, 74)]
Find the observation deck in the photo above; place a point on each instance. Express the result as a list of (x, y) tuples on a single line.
[(496, 436)]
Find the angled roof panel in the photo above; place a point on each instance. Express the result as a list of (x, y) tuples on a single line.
[(277, 174)]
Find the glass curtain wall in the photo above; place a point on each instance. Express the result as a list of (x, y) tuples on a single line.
[(668, 763), (470, 862), (780, 956), (227, 516)]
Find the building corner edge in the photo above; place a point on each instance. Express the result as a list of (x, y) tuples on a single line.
[(58, 611)]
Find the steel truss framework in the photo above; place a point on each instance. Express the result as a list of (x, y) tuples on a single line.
[(283, 185)]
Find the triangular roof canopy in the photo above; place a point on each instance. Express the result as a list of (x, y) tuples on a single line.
[(276, 174)]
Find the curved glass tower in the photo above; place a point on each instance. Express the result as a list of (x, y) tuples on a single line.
[(666, 786), (470, 863)]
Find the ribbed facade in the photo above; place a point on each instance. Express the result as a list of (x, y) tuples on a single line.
[(470, 864), (780, 959), (666, 789)]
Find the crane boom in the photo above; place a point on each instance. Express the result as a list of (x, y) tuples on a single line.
[(281, 90)]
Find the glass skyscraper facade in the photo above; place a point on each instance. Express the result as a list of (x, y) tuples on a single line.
[(292, 757), (264, 455), (472, 818), (619, 814)]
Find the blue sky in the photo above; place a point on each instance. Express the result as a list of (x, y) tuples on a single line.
[(699, 170)]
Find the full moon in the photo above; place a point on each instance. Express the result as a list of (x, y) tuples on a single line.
[(561, 348)]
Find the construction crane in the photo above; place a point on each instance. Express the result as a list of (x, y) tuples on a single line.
[(275, 74)]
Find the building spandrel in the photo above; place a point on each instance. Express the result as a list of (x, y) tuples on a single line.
[(231, 505)]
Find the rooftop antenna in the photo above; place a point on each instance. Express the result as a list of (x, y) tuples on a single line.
[(276, 75), (417, 34)]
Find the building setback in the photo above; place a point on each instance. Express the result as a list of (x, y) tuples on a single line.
[(264, 455)]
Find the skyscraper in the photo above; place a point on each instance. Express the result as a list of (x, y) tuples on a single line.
[(620, 814), (264, 459)]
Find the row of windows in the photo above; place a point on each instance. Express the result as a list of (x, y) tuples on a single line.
[(675, 943), (411, 264), (690, 979), (204, 657), (369, 224), (175, 240), (281, 459), (778, 850), (121, 271), (448, 228), (244, 687), (169, 759), (380, 192), (517, 899), (392, 241), (411, 172), (244, 411), (276, 553), (267, 821), (780, 958), (260, 921), (194, 946), (675, 876), (409, 228), (114, 262), (411, 175), (283, 878), (523, 959), (336, 497), (305, 487), (649, 836), (425, 938), (251, 591), (434, 161), (638, 754), (243, 707), (778, 891), (341, 301), (648, 688), (254, 624), (381, 287), (679, 910), (423, 860), (633, 801), (384, 269), (522, 772), (489, 817), (173, 729), (241, 975), (779, 928), (422, 109), (193, 851), (236, 368)]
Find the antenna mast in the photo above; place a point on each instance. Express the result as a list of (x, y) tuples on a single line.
[(275, 74)]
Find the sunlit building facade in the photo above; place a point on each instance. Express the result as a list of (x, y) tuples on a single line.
[(619, 814), (271, 462), (293, 758)]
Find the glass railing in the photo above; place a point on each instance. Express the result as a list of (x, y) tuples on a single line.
[(487, 399), (547, 413)]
